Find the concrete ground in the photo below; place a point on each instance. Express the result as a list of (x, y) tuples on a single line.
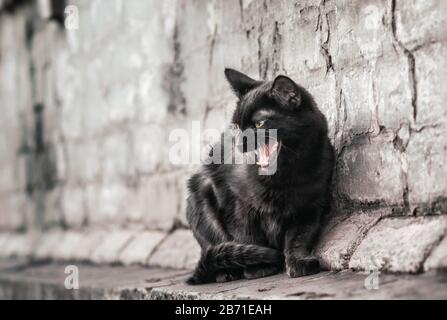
[(20, 279)]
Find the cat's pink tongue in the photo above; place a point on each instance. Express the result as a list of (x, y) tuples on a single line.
[(265, 152)]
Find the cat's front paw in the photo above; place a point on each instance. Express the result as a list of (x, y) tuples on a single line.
[(301, 266)]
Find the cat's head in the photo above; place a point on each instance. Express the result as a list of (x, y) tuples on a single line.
[(280, 104)]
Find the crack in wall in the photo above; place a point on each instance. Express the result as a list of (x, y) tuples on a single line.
[(435, 206), (159, 244), (263, 62), (173, 79), (276, 44), (41, 171), (241, 8), (324, 46), (410, 58), (269, 56), (400, 142), (400, 145), (212, 46)]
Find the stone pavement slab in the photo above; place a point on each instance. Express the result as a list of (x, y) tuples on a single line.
[(19, 280)]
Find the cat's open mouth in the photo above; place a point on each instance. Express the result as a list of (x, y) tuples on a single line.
[(267, 153)]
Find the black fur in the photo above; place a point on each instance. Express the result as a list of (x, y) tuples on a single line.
[(250, 225)]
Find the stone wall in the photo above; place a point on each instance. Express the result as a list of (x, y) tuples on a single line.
[(86, 117)]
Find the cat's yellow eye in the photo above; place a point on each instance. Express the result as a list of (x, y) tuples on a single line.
[(259, 124)]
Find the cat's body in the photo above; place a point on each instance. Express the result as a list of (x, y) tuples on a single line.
[(251, 225)]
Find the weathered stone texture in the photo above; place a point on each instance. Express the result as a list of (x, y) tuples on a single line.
[(399, 244), (431, 75), (427, 172), (360, 31), (18, 244), (14, 211), (74, 207), (341, 236), (178, 250), (46, 282), (111, 246), (420, 22), (47, 243), (438, 257), (357, 88), (77, 245), (326, 96), (140, 247), (67, 246), (160, 201), (107, 204), (392, 92), (371, 172), (87, 116)]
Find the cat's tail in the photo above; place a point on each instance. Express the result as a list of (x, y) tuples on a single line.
[(231, 255)]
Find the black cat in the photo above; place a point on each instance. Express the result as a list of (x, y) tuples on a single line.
[(253, 225)]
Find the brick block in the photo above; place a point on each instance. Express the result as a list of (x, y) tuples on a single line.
[(235, 45), (341, 236), (84, 162), (97, 109), (431, 74), (358, 101), (74, 207), (393, 91), (197, 100), (149, 147), (14, 210), (107, 204), (13, 175), (116, 157), (78, 245), (21, 245), (47, 242), (160, 201), (111, 246), (195, 25), (399, 244), (179, 250), (107, 16), (371, 172), (51, 211), (140, 247), (426, 152), (150, 101), (326, 96), (419, 22), (121, 103), (359, 31), (308, 18), (71, 117)]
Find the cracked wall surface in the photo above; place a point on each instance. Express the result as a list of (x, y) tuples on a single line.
[(86, 117)]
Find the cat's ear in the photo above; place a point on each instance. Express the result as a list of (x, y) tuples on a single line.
[(286, 92), (240, 83)]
